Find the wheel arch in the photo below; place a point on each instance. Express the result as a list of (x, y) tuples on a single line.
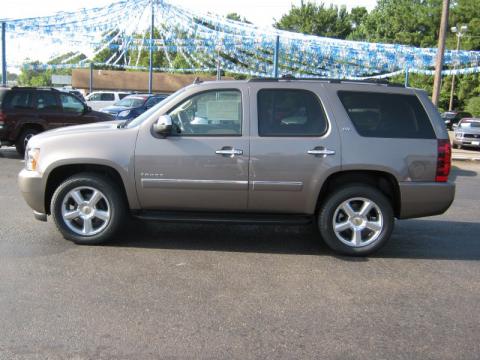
[(60, 173), (384, 181)]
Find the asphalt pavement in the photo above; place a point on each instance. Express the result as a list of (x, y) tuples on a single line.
[(180, 291)]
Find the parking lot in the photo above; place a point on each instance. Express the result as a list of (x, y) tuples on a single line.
[(223, 291)]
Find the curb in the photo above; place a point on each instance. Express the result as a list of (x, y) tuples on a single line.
[(465, 158)]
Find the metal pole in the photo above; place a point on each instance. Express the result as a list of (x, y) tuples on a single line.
[(4, 56), (219, 69), (150, 67), (90, 82), (406, 77), (437, 83), (450, 105), (275, 56)]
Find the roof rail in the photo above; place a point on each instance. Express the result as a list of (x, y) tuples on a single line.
[(34, 88), (330, 80)]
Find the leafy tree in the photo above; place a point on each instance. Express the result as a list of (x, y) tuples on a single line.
[(473, 106), (235, 16), (310, 18)]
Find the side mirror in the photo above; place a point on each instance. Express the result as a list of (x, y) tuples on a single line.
[(163, 126), (87, 109), (455, 126)]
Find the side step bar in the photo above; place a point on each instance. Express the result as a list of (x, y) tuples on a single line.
[(231, 218)]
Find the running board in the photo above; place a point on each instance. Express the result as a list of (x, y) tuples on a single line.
[(231, 218)]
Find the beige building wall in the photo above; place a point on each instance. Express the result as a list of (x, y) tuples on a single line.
[(132, 80)]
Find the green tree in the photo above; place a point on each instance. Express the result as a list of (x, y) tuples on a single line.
[(473, 106), (310, 18), (235, 16)]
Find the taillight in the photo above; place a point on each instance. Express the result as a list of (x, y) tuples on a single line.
[(444, 161), (3, 117)]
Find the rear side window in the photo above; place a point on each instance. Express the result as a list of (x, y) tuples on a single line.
[(107, 97), (290, 113), (46, 101), (387, 115), (122, 95), (18, 100)]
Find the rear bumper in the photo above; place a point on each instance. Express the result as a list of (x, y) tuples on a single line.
[(425, 199), (31, 187)]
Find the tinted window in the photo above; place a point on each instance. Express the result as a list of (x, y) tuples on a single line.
[(209, 113), (290, 113), (107, 97), (122, 95), (46, 101), (131, 101), (18, 100), (153, 100), (387, 115), (71, 104)]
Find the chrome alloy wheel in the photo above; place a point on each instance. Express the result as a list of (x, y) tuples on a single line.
[(358, 222), (86, 211)]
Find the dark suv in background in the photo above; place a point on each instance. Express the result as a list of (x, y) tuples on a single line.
[(25, 112)]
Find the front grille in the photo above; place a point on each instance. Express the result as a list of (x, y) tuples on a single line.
[(472, 136)]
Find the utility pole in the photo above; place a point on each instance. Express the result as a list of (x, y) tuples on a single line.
[(150, 67), (437, 83), (275, 56), (90, 83), (4, 55), (459, 34)]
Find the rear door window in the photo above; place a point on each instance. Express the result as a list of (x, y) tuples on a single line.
[(107, 97), (387, 115), (290, 113), (46, 101)]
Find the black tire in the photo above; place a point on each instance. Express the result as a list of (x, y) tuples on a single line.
[(23, 138), (117, 207), (328, 209)]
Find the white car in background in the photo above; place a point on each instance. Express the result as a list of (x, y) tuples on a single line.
[(100, 99)]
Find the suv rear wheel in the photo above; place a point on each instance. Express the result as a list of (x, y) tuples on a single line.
[(356, 220), (22, 140), (88, 209)]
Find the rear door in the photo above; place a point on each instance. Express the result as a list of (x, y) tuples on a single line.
[(294, 146), (48, 109)]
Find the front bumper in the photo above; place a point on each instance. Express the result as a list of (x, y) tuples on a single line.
[(420, 199), (32, 189), (471, 142)]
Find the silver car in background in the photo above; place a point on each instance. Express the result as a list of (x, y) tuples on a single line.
[(467, 133)]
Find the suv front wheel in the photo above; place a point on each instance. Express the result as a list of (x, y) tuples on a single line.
[(356, 220), (88, 209)]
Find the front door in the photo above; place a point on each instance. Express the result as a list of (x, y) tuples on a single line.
[(203, 165), (293, 148)]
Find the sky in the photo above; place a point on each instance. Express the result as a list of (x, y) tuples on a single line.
[(260, 12)]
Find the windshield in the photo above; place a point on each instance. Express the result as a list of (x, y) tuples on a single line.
[(140, 119), (448, 115), (131, 101), (465, 124)]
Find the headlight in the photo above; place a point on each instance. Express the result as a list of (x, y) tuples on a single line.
[(458, 135), (123, 113), (31, 159)]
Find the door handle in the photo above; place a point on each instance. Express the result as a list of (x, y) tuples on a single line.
[(229, 151), (321, 151)]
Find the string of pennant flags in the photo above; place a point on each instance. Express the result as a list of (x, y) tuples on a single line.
[(205, 40)]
